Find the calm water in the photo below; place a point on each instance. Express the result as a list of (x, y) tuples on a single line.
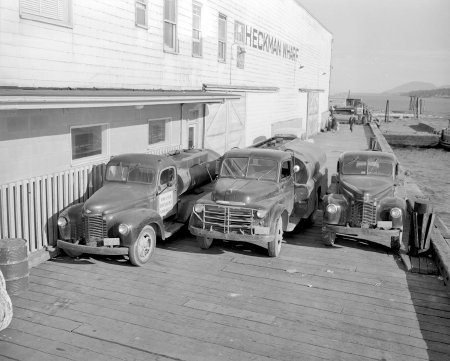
[(429, 168), (437, 107)]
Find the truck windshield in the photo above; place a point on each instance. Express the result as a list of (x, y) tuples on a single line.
[(126, 173), (367, 166), (252, 168)]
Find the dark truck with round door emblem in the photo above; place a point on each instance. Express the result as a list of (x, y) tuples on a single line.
[(364, 200), (143, 197), (262, 191)]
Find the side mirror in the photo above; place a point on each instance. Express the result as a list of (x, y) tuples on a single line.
[(296, 168)]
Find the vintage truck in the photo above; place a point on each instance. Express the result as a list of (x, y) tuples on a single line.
[(364, 201), (143, 197), (261, 192)]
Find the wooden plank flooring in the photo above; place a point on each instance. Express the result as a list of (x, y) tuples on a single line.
[(350, 302), (232, 302)]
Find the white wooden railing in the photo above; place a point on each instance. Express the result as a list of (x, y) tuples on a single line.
[(29, 208)]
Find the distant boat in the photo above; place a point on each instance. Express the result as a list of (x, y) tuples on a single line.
[(444, 140)]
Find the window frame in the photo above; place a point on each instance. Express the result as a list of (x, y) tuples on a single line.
[(167, 132), (67, 22), (97, 157), (222, 43), (199, 41), (236, 25), (144, 4), (174, 24)]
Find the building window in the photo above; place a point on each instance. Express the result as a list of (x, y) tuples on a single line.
[(239, 32), (196, 29), (157, 132), (222, 37), (141, 13), (89, 142), (58, 12), (170, 25)]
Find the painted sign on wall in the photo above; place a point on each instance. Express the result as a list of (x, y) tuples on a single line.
[(266, 42)]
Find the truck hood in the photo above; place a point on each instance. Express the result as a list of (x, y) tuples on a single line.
[(357, 186), (115, 197), (244, 190)]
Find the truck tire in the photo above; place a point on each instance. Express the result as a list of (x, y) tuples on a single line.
[(396, 242), (274, 246), (143, 247), (72, 254), (329, 238), (204, 242)]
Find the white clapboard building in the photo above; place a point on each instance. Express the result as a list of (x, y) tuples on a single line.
[(83, 80)]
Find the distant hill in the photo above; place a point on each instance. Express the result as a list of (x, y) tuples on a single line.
[(411, 86), (440, 93)]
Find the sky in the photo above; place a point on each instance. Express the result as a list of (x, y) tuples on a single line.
[(381, 44)]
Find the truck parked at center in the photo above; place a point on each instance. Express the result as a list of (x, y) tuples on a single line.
[(262, 191)]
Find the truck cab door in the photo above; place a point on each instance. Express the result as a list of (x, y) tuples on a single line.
[(166, 199), (287, 184)]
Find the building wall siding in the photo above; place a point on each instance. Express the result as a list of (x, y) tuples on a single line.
[(105, 49), (35, 143)]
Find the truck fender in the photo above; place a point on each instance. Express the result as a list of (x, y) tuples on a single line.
[(136, 219), (279, 211), (340, 217), (73, 216)]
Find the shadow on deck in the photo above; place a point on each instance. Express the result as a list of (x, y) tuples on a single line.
[(232, 302)]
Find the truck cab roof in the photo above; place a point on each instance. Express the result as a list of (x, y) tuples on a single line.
[(274, 154)]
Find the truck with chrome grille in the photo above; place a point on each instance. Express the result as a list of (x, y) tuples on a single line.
[(261, 192), (143, 196), (365, 201)]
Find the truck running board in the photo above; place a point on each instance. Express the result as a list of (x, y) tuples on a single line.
[(171, 228)]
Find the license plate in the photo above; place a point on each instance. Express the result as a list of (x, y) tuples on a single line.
[(262, 230), (384, 224), (109, 242)]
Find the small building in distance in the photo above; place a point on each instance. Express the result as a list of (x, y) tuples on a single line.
[(82, 81)]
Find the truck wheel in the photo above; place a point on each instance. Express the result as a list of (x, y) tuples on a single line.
[(274, 247), (396, 242), (72, 254), (328, 238), (143, 247), (204, 242)]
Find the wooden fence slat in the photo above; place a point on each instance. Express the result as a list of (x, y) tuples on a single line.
[(76, 187), (89, 180), (32, 214), (4, 213), (49, 239), (71, 189), (11, 211), (18, 209), (43, 199), (55, 209), (38, 207), (25, 213), (60, 192), (66, 188)]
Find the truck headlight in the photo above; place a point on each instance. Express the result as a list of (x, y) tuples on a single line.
[(62, 222), (332, 208), (396, 212), (124, 229), (261, 213), (199, 208)]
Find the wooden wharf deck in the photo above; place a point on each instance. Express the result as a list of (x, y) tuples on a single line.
[(232, 302)]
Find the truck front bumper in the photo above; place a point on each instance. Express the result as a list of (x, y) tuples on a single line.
[(105, 251), (381, 236), (258, 239)]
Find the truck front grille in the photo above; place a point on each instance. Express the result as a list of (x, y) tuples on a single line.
[(227, 219), (94, 228), (363, 213)]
